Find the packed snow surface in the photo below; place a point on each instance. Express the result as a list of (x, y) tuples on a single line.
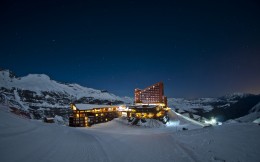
[(116, 141)]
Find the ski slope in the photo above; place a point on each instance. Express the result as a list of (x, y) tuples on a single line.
[(29, 140)]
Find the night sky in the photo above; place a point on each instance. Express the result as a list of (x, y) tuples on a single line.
[(197, 48)]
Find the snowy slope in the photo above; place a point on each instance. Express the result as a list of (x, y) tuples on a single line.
[(30, 141), (253, 115), (256, 108), (249, 118)]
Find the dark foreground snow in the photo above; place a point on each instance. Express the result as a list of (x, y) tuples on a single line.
[(34, 141)]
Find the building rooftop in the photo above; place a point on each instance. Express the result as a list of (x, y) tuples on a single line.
[(91, 106), (143, 106)]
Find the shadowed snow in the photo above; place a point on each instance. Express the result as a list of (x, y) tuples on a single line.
[(30, 141)]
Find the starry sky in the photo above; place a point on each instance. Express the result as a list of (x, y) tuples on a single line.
[(197, 48)]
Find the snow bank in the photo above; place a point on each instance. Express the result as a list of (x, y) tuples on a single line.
[(28, 140), (59, 120), (257, 121)]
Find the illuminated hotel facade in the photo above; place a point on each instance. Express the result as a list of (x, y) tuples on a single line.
[(153, 94)]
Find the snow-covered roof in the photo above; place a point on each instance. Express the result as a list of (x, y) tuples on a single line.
[(142, 106), (48, 118), (91, 106)]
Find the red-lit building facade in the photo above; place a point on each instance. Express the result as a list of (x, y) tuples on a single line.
[(153, 94)]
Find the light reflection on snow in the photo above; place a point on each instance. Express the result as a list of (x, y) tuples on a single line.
[(173, 123), (212, 121)]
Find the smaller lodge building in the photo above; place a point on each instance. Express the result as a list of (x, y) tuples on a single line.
[(89, 114)]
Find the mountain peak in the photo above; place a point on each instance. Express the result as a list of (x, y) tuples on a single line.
[(38, 76), (237, 95), (7, 73)]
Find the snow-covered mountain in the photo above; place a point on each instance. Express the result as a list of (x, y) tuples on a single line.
[(230, 106), (38, 91), (192, 105), (41, 96)]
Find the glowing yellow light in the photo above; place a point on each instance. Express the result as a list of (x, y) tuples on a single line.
[(74, 107), (143, 115), (150, 115), (159, 114)]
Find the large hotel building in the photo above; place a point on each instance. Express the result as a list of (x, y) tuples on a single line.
[(153, 94)]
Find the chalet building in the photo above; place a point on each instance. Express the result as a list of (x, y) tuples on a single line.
[(153, 94), (89, 114)]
